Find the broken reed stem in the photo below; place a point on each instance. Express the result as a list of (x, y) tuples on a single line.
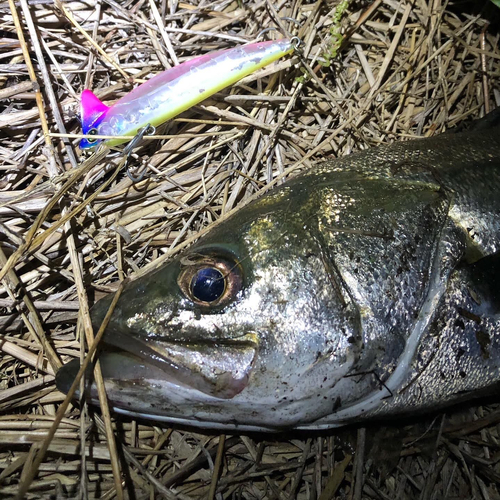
[(89, 334), (31, 242), (49, 91), (141, 468), (34, 80), (83, 415), (482, 40), (359, 462), (31, 473), (27, 357), (147, 137), (164, 34), (217, 467), (75, 23), (106, 414), (34, 325)]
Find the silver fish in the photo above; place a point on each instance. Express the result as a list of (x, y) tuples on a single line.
[(365, 287)]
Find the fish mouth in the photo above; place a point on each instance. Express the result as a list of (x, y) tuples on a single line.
[(220, 369)]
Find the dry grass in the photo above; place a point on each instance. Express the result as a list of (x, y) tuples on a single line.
[(71, 228)]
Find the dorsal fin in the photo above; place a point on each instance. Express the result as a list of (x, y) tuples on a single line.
[(91, 110)]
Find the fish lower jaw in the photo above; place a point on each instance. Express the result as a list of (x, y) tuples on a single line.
[(217, 370)]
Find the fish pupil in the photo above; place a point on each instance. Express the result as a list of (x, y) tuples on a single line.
[(208, 284)]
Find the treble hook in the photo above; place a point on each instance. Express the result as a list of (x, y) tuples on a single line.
[(127, 150), (296, 41), (265, 30)]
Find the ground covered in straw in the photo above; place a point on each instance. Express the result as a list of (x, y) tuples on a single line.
[(73, 225)]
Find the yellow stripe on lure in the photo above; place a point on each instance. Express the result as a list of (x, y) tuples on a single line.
[(170, 93)]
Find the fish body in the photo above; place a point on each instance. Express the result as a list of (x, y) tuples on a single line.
[(364, 287), (175, 90)]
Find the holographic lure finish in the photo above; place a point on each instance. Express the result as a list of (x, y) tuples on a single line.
[(175, 90)]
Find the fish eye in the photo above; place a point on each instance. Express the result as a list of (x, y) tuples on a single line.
[(92, 131), (208, 280), (208, 284)]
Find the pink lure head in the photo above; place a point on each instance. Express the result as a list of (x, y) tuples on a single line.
[(92, 112)]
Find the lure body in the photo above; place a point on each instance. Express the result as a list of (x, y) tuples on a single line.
[(175, 90)]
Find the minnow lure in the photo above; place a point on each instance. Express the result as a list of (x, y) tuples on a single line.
[(173, 91)]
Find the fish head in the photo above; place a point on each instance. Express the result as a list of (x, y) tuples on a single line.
[(92, 113), (232, 332)]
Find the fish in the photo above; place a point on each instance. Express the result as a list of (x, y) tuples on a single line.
[(364, 288), (175, 90)]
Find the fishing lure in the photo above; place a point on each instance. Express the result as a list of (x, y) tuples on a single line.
[(173, 91)]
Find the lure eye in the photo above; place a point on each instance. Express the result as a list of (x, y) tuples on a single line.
[(92, 131), (208, 280), (208, 284)]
